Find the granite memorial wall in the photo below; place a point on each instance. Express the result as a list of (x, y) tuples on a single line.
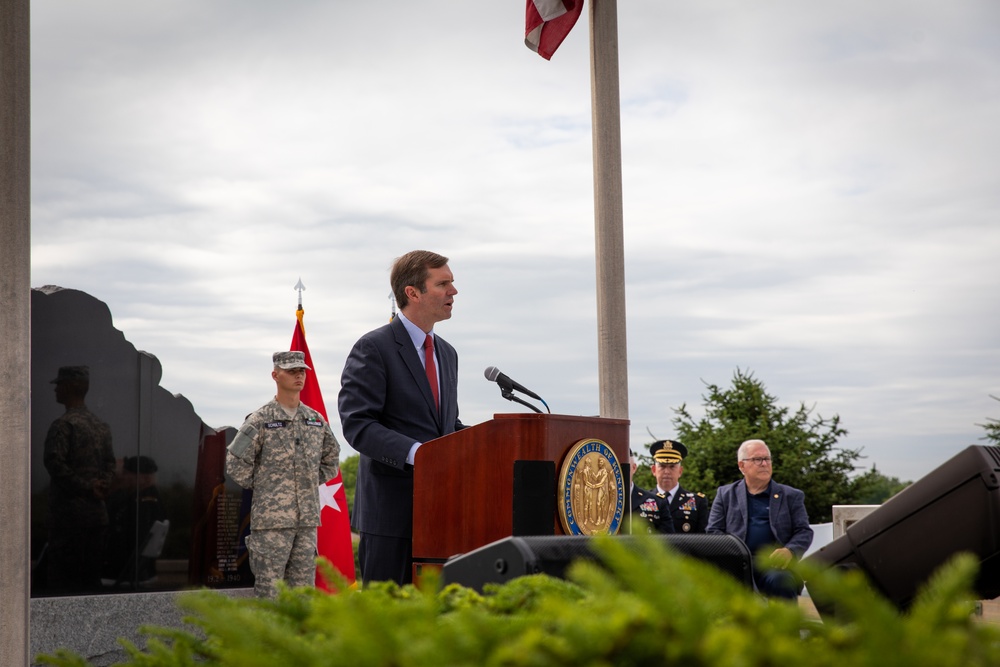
[(128, 490)]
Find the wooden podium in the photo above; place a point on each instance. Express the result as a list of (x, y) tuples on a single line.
[(463, 483)]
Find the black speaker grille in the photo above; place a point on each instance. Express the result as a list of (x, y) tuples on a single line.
[(516, 556)]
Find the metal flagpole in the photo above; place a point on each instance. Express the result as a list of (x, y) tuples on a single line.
[(612, 357)]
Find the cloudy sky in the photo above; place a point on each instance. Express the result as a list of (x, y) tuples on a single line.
[(811, 193)]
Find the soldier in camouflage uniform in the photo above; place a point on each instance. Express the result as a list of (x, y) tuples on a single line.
[(81, 464), (284, 451)]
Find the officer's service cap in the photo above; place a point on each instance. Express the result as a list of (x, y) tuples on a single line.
[(70, 373), (668, 451), (139, 464)]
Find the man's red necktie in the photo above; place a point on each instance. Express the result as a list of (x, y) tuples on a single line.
[(431, 369)]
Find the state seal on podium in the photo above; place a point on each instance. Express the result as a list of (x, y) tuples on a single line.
[(592, 489)]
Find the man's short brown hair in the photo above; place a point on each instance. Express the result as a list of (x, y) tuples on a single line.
[(413, 268)]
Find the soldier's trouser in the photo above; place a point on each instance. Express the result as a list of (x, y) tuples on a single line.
[(74, 559), (282, 553)]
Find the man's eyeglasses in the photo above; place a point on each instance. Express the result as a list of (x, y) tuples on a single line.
[(760, 460)]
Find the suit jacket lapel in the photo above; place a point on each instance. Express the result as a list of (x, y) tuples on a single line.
[(774, 503), (448, 382), (408, 353), (741, 502)]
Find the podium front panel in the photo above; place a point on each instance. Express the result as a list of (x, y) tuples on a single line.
[(463, 482)]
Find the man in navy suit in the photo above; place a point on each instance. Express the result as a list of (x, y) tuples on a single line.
[(764, 514), (388, 408)]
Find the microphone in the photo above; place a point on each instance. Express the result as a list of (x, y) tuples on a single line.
[(493, 374)]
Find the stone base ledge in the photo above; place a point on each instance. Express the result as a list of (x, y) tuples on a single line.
[(91, 624)]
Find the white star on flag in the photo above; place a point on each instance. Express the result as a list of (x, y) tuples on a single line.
[(326, 495)]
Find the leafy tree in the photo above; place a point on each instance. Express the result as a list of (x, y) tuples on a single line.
[(643, 474), (803, 445), (992, 428), (349, 474), (874, 488)]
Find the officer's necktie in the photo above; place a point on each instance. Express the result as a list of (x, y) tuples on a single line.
[(432, 376)]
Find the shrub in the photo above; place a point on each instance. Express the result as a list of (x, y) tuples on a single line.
[(648, 606)]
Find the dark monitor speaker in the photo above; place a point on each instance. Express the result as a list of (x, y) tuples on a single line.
[(534, 501), (512, 557), (955, 508)]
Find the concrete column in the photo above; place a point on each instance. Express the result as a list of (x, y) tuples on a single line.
[(845, 516), (612, 356), (15, 325)]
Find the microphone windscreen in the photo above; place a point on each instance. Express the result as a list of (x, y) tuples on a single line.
[(492, 373)]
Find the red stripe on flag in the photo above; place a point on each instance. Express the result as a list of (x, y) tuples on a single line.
[(333, 537), (547, 22)]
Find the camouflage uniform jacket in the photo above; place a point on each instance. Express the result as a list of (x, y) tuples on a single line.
[(284, 461), (80, 460)]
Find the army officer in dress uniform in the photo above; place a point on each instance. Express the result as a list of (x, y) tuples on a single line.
[(689, 510), (647, 510)]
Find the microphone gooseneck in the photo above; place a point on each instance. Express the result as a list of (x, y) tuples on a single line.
[(509, 386)]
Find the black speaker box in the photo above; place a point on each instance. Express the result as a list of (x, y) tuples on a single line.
[(512, 557), (954, 509), (534, 510)]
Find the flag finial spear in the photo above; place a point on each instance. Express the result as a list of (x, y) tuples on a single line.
[(300, 287)]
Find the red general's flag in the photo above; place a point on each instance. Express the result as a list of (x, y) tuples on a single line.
[(334, 535), (547, 22)]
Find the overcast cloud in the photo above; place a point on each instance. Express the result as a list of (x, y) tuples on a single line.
[(811, 193)]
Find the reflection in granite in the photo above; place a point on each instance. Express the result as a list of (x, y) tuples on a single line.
[(134, 508), (163, 516), (81, 464)]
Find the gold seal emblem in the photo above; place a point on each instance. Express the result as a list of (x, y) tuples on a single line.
[(593, 489)]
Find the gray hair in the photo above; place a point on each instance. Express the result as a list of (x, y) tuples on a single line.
[(742, 451)]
